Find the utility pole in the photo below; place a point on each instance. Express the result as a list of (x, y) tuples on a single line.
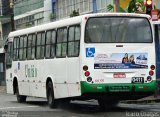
[(12, 15), (116, 2)]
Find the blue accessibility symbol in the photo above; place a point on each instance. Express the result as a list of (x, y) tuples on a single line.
[(18, 65), (90, 52)]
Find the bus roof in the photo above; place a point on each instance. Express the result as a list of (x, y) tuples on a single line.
[(69, 21), (47, 26)]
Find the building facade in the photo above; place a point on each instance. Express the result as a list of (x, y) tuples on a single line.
[(4, 31), (28, 13), (35, 12), (4, 20), (66, 7)]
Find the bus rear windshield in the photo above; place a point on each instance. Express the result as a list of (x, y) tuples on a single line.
[(118, 30)]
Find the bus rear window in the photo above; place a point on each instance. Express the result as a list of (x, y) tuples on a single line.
[(118, 30)]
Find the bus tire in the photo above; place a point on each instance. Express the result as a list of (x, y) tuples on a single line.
[(50, 95), (20, 98)]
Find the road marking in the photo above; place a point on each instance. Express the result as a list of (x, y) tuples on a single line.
[(18, 107)]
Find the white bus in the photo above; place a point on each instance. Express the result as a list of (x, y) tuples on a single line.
[(104, 56)]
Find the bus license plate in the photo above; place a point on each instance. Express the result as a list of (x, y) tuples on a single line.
[(137, 80), (119, 75)]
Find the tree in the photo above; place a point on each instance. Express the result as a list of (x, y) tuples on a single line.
[(132, 6), (52, 16), (74, 13), (110, 7), (135, 6)]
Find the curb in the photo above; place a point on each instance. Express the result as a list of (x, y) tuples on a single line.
[(2, 89)]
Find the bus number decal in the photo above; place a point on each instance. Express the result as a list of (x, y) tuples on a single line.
[(99, 80)]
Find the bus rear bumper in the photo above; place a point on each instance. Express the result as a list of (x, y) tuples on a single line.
[(122, 91)]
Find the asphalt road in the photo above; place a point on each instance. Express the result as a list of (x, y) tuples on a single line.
[(37, 107)]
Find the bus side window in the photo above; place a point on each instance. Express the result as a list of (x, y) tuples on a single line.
[(33, 46), (29, 45), (25, 47), (73, 41), (61, 45), (53, 41), (16, 48), (9, 55), (40, 45), (50, 44), (21, 48)]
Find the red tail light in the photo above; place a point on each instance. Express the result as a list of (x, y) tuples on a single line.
[(89, 79), (85, 68), (151, 73), (87, 73), (152, 67)]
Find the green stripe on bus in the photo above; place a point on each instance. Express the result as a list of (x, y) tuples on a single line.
[(95, 88)]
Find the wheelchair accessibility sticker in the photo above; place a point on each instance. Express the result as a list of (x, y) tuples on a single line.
[(90, 52)]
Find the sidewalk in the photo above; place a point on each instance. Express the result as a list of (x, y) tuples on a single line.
[(2, 89)]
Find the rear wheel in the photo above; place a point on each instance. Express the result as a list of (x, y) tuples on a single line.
[(50, 96), (20, 98)]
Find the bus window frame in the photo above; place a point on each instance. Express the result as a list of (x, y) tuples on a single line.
[(50, 44), (16, 56), (65, 27), (78, 25), (10, 46), (40, 45)]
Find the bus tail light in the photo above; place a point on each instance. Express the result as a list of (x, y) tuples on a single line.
[(151, 73), (152, 67), (149, 78), (87, 73), (85, 68), (89, 79)]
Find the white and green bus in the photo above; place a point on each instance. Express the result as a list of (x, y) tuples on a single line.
[(104, 56)]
